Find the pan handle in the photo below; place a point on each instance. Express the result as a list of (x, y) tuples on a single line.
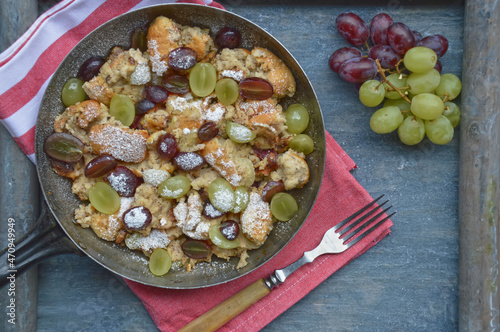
[(44, 240)]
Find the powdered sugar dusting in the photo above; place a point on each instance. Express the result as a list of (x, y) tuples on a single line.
[(158, 65), (135, 218), (155, 176), (156, 239), (114, 220), (213, 113), (237, 75), (256, 220), (124, 146), (141, 74)]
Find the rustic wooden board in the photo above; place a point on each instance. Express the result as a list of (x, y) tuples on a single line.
[(19, 189), (480, 170)]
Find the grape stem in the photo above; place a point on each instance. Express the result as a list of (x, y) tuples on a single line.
[(381, 71), (446, 98)]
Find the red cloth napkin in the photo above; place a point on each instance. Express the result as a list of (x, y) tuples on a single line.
[(29, 64), (340, 196)]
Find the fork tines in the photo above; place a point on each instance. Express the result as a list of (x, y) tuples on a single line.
[(363, 221)]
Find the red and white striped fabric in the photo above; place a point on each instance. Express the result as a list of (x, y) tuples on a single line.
[(29, 63)]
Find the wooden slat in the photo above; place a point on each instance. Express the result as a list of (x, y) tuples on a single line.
[(480, 169), (19, 190)]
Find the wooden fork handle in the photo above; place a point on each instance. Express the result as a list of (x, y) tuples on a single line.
[(227, 310)]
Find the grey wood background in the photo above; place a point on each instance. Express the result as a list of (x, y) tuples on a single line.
[(408, 282)]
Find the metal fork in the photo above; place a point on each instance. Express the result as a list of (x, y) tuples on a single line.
[(337, 239)]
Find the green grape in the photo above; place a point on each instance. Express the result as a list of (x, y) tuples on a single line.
[(424, 82), (221, 195), (202, 79), (160, 262), (420, 59), (73, 92), (174, 187), (371, 93), (220, 240), (104, 198), (427, 106), (239, 133), (449, 86), (411, 131), (386, 119), (452, 112), (283, 206), (226, 90), (297, 118), (402, 104), (440, 131), (302, 143), (241, 199), (122, 109), (399, 81)]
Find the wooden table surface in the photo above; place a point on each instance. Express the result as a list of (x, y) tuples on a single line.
[(408, 282)]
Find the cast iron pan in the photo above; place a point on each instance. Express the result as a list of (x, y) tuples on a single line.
[(47, 239)]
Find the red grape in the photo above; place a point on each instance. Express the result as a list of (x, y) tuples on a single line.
[(358, 70), (386, 56), (342, 55), (229, 229), (155, 93), (144, 106), (270, 189), (352, 28), (63, 147), (228, 37), (437, 43), (207, 131), (195, 249), (176, 84), (210, 212), (378, 28), (417, 35), (400, 38), (255, 88), (167, 147), (188, 161), (90, 68), (138, 39), (124, 181), (182, 58), (438, 66), (137, 218), (100, 165)]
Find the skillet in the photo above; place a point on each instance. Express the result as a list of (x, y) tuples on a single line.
[(62, 202)]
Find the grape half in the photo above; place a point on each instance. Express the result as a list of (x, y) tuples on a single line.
[(73, 92), (221, 195), (174, 187), (297, 118), (104, 198), (302, 143), (226, 91), (202, 79), (239, 133), (220, 240), (284, 206), (122, 109), (63, 147), (160, 262)]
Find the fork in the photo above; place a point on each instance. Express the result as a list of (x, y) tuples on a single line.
[(337, 239)]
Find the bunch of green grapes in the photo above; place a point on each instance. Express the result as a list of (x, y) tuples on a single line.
[(417, 104)]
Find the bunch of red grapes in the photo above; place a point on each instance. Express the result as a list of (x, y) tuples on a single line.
[(399, 65)]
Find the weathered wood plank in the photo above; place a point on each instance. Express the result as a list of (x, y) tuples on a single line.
[(19, 190), (480, 169)]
